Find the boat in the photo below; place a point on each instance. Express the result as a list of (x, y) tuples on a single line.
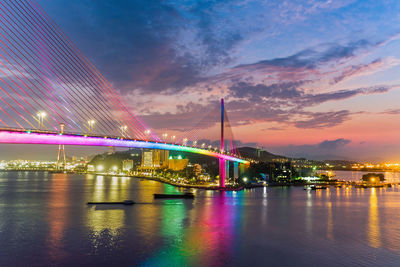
[(125, 202), (369, 185), (315, 187), (186, 195)]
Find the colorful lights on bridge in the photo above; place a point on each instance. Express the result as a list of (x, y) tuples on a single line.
[(24, 137)]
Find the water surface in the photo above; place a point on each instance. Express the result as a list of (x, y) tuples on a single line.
[(44, 220)]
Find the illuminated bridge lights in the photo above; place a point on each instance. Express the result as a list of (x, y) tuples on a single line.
[(47, 138)]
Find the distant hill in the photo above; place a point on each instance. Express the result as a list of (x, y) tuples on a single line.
[(257, 154)]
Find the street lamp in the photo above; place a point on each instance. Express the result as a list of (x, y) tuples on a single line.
[(41, 116), (91, 125), (123, 130), (194, 143), (147, 133), (203, 145), (173, 139), (185, 141), (100, 168), (164, 136)]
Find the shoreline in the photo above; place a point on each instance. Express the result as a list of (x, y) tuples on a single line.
[(161, 180), (213, 187)]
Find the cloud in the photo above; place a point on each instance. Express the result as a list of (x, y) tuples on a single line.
[(323, 119), (334, 144), (273, 129), (189, 50), (284, 105), (312, 99), (391, 112), (363, 69), (314, 57), (254, 92), (327, 149)]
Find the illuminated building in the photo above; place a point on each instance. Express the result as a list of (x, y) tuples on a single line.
[(177, 164), (164, 156), (147, 159), (154, 158), (127, 165)]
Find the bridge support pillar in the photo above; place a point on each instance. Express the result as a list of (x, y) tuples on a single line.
[(241, 169), (226, 169), (222, 172), (235, 170)]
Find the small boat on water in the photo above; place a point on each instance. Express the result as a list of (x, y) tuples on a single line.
[(125, 202), (369, 185), (315, 187), (186, 195)]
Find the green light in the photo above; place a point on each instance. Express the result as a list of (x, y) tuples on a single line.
[(28, 132), (179, 157), (170, 157)]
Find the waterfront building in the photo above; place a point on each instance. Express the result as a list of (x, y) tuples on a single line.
[(164, 157), (154, 158), (147, 159), (177, 164)]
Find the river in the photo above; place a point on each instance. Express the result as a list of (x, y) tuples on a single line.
[(44, 221)]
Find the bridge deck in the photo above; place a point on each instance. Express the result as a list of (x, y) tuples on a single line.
[(18, 136)]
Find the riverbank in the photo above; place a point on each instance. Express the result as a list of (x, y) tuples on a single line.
[(158, 179), (189, 186)]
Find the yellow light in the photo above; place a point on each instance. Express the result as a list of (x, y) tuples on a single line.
[(42, 114), (115, 168), (100, 167)]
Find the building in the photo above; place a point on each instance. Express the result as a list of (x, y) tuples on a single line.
[(177, 164), (155, 158), (147, 159), (196, 169), (164, 157), (127, 165)]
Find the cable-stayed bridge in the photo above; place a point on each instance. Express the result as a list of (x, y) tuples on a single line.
[(47, 85)]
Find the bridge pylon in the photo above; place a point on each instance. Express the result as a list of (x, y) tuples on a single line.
[(222, 162), (61, 149)]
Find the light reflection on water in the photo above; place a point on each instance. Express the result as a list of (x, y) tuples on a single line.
[(44, 220), (373, 220)]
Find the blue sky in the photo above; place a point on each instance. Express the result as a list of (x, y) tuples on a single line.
[(295, 74)]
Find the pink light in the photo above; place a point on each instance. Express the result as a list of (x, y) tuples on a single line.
[(22, 137)]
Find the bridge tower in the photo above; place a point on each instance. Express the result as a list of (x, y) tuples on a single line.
[(61, 149), (222, 162)]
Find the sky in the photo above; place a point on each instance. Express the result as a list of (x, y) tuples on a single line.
[(317, 79)]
